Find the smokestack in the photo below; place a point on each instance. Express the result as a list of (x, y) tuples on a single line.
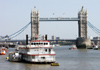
[(26, 39), (45, 37)]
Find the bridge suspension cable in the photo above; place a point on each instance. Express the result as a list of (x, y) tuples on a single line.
[(96, 30), (19, 31)]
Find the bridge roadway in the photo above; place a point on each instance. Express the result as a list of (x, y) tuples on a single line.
[(72, 40), (25, 40)]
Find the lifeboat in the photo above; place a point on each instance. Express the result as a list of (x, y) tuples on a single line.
[(3, 51)]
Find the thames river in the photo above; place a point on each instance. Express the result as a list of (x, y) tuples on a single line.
[(84, 59)]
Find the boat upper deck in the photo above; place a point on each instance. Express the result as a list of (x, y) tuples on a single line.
[(38, 44)]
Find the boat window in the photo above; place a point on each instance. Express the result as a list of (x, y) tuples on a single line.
[(49, 50), (37, 43), (43, 57), (31, 43), (46, 50), (45, 43), (34, 43)]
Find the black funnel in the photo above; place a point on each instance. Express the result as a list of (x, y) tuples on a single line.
[(26, 39), (45, 37)]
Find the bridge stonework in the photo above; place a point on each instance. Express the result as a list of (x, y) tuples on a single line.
[(82, 40), (34, 24)]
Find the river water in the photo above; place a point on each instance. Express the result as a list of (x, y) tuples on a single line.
[(77, 59)]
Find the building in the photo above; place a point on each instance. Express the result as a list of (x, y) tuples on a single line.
[(43, 37), (96, 42), (53, 37), (2, 37), (57, 38), (90, 37)]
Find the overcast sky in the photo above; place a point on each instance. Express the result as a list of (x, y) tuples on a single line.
[(15, 14)]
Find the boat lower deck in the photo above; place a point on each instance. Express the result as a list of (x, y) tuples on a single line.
[(38, 58)]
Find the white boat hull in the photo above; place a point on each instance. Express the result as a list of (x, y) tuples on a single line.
[(39, 59)]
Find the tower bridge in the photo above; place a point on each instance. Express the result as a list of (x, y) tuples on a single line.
[(82, 40)]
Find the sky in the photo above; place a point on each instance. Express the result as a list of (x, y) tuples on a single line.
[(15, 14)]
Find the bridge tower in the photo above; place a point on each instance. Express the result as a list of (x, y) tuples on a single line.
[(82, 40), (82, 23), (34, 24)]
